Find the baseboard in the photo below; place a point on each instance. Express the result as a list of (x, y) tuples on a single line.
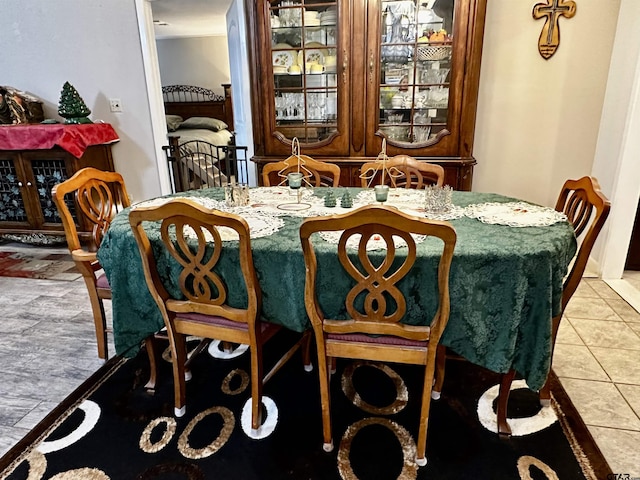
[(626, 291)]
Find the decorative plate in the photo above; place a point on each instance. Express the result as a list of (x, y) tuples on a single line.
[(284, 58), (314, 53), (515, 214)]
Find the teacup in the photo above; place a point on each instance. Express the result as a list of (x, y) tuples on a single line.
[(295, 70), (317, 68), (330, 62)]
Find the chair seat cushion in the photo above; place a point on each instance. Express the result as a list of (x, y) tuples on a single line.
[(102, 281), (380, 340), (223, 322)]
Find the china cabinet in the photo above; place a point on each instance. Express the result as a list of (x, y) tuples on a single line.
[(342, 75)]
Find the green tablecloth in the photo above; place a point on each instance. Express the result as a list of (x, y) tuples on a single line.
[(505, 286)]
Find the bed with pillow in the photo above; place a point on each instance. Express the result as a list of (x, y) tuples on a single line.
[(198, 123)]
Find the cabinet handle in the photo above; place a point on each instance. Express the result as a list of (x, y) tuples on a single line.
[(20, 184), (28, 184), (345, 66), (371, 65)]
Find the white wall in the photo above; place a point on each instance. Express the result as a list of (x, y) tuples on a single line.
[(95, 45), (200, 61), (538, 120), (616, 164)]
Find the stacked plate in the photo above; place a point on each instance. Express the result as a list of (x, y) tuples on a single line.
[(328, 17), (311, 18)]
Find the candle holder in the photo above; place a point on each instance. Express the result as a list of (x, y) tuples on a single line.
[(438, 200), (382, 193), (294, 179), (385, 171)]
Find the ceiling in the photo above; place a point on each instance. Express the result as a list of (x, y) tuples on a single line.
[(190, 18)]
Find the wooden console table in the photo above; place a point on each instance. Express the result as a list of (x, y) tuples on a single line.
[(33, 158)]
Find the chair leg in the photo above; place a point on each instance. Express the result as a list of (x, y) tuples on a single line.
[(256, 386), (421, 447), (324, 369), (150, 347), (545, 394), (503, 399), (99, 319), (306, 352), (441, 360), (179, 356)]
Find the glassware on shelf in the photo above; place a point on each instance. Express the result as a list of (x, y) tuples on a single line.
[(394, 118), (438, 97), (421, 134)]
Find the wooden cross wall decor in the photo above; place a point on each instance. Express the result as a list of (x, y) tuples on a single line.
[(549, 40)]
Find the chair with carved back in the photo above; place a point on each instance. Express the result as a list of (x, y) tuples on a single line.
[(94, 196), (318, 174), (374, 330), (587, 210), (404, 172), (191, 237)]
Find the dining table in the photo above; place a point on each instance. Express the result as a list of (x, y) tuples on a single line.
[(505, 281)]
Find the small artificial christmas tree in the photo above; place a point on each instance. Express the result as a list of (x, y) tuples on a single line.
[(346, 201), (330, 199), (71, 106)]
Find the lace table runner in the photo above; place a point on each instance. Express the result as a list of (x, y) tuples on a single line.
[(515, 214), (376, 242), (265, 209), (260, 224)]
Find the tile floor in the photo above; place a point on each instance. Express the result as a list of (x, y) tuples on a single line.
[(47, 348)]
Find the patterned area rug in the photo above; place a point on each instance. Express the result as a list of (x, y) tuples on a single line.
[(111, 428), (33, 262)]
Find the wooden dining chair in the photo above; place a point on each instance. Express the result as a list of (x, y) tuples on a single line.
[(92, 197), (320, 174), (190, 235), (375, 330), (406, 172), (587, 209)]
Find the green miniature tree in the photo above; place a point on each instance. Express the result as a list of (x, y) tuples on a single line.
[(346, 201), (71, 106), (330, 199)]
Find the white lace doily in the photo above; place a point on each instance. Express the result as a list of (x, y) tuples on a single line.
[(453, 213), (515, 214), (266, 200), (260, 224), (406, 198), (375, 243)]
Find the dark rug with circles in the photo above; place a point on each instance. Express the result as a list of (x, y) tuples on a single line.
[(111, 428)]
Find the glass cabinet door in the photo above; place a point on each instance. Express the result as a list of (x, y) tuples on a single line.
[(305, 56), (413, 76)]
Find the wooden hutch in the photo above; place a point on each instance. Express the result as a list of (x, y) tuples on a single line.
[(341, 75)]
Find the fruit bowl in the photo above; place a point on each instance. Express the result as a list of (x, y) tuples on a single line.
[(434, 52)]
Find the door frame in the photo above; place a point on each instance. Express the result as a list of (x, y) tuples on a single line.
[(154, 90)]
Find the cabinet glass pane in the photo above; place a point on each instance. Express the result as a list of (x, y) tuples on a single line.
[(415, 50), (304, 59), (47, 174), (11, 205)]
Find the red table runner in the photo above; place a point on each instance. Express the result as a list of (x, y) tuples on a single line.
[(73, 138)]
